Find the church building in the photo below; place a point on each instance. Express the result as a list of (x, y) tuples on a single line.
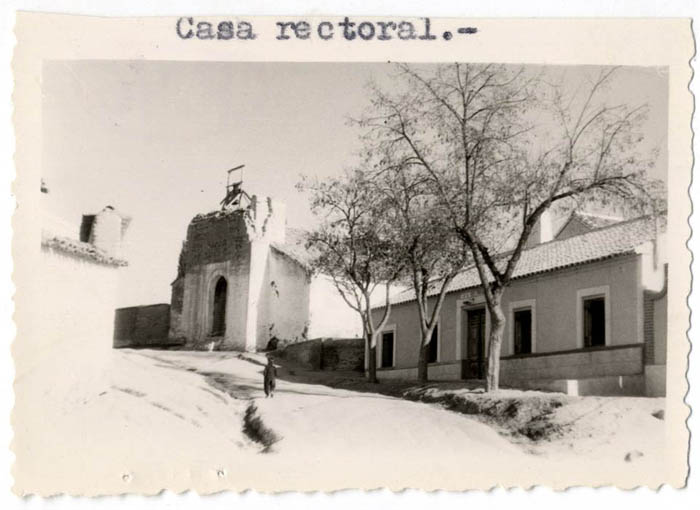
[(244, 282)]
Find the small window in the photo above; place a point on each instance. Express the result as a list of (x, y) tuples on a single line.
[(594, 322), (522, 331), (387, 360), (433, 346)]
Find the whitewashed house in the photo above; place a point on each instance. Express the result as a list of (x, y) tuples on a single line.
[(585, 314)]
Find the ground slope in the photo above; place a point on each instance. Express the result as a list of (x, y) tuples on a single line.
[(150, 420)]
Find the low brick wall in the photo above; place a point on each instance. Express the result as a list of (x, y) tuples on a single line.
[(327, 354), (142, 326)]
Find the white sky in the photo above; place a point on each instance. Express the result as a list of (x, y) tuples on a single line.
[(154, 139)]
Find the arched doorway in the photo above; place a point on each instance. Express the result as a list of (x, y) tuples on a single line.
[(218, 325)]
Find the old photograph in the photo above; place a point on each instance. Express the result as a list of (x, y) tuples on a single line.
[(330, 275)]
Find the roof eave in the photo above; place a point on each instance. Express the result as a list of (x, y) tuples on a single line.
[(528, 275)]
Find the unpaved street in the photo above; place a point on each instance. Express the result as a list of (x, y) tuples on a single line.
[(370, 439), (149, 416), (380, 438)]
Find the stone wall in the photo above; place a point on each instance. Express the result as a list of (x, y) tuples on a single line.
[(306, 353), (326, 354), (215, 237), (177, 295), (142, 326), (343, 354)]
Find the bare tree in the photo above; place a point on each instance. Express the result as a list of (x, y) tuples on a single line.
[(352, 246), (501, 146), (428, 248)]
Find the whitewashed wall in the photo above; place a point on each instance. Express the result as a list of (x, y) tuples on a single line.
[(286, 301), (73, 316)]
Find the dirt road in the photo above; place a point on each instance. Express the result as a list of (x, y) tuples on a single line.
[(153, 420), (384, 441), (361, 439)]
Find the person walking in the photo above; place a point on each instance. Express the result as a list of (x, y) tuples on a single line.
[(270, 378)]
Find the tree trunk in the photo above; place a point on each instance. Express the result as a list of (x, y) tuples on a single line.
[(423, 361), (371, 360), (498, 322)]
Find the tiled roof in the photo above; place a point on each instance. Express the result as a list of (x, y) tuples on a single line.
[(80, 249), (611, 241), (588, 220)]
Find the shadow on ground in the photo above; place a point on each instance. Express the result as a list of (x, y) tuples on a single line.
[(356, 381)]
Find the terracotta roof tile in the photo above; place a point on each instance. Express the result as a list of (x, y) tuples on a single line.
[(80, 249), (610, 241)]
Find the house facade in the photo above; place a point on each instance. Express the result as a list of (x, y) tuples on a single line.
[(74, 288), (585, 314)]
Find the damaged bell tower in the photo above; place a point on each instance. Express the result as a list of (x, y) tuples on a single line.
[(230, 273), (236, 197)]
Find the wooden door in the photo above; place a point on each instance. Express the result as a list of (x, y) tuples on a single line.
[(476, 337)]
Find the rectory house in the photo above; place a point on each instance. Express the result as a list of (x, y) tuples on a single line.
[(585, 314)]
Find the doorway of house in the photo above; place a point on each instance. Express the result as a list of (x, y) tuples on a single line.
[(218, 324), (473, 365)]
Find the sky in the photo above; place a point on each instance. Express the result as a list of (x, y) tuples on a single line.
[(155, 139)]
